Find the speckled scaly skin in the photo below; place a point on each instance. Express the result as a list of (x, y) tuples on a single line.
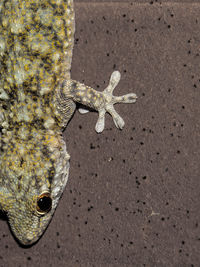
[(37, 99)]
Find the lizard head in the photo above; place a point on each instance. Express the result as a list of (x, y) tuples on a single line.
[(29, 216), (34, 176)]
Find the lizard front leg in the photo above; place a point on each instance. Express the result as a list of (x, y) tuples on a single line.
[(100, 101)]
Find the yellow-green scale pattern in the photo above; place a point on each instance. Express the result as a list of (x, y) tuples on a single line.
[(36, 41)]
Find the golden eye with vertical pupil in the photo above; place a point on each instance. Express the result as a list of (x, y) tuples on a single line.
[(44, 203)]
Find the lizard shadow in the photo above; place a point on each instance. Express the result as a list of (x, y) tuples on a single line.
[(3, 216)]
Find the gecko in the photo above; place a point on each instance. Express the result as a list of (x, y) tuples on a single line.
[(37, 100)]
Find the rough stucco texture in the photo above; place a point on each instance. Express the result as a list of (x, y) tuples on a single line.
[(133, 196)]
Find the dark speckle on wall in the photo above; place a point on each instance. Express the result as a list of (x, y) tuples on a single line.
[(133, 196)]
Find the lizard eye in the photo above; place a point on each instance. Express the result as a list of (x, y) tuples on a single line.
[(44, 203)]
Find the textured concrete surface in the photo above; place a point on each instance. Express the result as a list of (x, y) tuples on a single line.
[(133, 196)]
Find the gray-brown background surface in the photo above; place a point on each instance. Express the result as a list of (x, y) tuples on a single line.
[(132, 198)]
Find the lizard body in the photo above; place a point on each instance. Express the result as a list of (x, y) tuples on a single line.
[(37, 99)]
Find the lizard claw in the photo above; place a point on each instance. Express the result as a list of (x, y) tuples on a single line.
[(83, 110), (101, 121), (110, 100)]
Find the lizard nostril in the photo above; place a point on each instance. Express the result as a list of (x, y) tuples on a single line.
[(44, 203)]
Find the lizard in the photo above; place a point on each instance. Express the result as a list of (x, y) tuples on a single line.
[(37, 100)]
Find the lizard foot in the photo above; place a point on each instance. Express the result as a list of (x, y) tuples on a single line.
[(110, 100), (108, 104)]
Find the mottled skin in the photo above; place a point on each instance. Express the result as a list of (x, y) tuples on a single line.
[(37, 99)]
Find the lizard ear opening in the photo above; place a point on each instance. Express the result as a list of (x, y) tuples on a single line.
[(44, 203)]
